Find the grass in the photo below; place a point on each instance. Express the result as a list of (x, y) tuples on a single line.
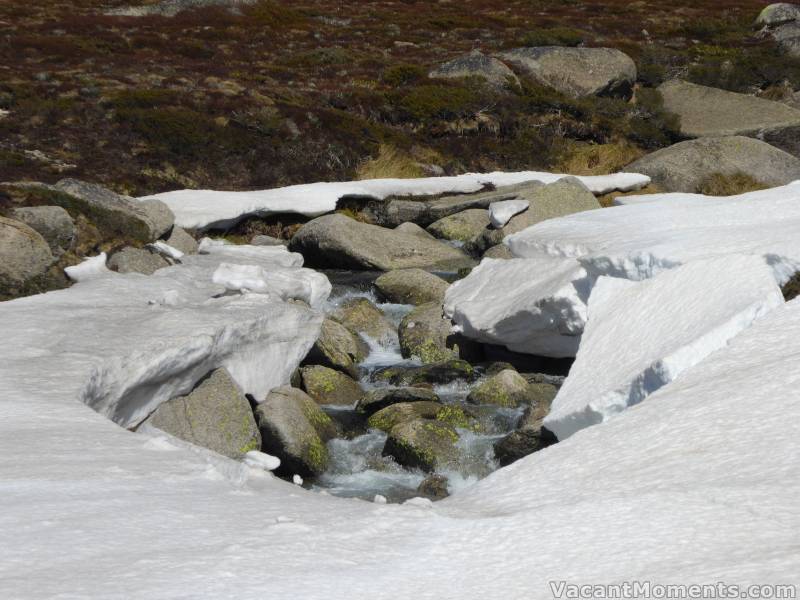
[(720, 184)]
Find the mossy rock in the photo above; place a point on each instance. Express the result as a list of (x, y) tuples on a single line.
[(424, 333), (423, 443), (359, 315), (411, 286), (337, 347), (464, 226), (381, 398), (507, 389), (441, 372), (387, 418), (329, 386)]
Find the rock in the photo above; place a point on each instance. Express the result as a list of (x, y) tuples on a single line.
[(24, 255), (403, 412), (508, 389), (443, 372), (136, 260), (501, 212), (337, 347), (521, 443), (215, 415), (785, 32), (563, 197), (170, 8), (541, 394), (423, 443), (423, 334), (328, 386), (577, 72), (414, 229), (359, 315), (711, 112), (181, 240), (145, 220), (776, 14), (476, 64), (380, 399), (340, 242), (267, 240), (53, 223), (463, 226), (411, 286), (434, 487), (686, 165), (498, 251), (294, 428)]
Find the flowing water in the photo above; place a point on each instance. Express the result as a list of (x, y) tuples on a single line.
[(357, 467)]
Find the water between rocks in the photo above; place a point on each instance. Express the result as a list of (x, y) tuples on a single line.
[(357, 467)]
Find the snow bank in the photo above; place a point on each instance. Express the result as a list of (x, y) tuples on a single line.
[(200, 209), (285, 284), (536, 305), (273, 255), (642, 335), (501, 212), (638, 240)]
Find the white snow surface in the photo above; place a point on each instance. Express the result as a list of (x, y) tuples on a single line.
[(535, 306), (274, 255), (641, 335), (698, 484), (167, 250), (91, 268), (501, 212), (284, 283), (638, 240), (202, 209)]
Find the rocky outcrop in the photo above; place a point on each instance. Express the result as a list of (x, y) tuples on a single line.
[(576, 72), (424, 334), (337, 241), (360, 316), (328, 386), (411, 286), (379, 399), (53, 223), (337, 347), (464, 226), (711, 112), (24, 256), (477, 64), (686, 165), (215, 415), (294, 428), (424, 444), (136, 260)]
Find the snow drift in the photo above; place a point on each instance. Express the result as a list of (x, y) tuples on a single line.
[(202, 209)]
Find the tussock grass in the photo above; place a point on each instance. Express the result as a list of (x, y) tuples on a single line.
[(598, 159), (392, 162), (721, 184)]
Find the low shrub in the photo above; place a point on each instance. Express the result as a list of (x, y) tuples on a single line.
[(404, 74)]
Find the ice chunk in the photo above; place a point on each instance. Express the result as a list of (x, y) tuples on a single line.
[(261, 460), (167, 250), (90, 268), (501, 212), (537, 305), (642, 335), (272, 255)]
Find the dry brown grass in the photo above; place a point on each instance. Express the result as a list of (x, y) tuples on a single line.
[(598, 159), (607, 200), (392, 162), (720, 184)]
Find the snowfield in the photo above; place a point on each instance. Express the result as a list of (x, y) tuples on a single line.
[(202, 209)]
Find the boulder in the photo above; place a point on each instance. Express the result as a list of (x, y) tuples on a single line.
[(686, 165), (403, 412), (361, 316), (411, 228), (24, 255), (520, 443), (136, 260), (53, 223), (434, 487), (337, 241), (267, 240), (180, 239), (442, 372), (294, 428), (711, 112), (145, 220), (411, 286), (424, 333), (778, 13), (476, 64), (328, 386), (337, 347), (215, 415), (577, 72), (507, 389), (380, 399), (500, 251), (462, 227), (563, 197), (424, 444)]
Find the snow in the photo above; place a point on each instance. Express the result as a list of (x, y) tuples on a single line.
[(261, 460), (166, 250), (203, 209), (642, 335), (274, 255), (536, 306), (501, 212), (286, 284), (638, 240), (91, 268)]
